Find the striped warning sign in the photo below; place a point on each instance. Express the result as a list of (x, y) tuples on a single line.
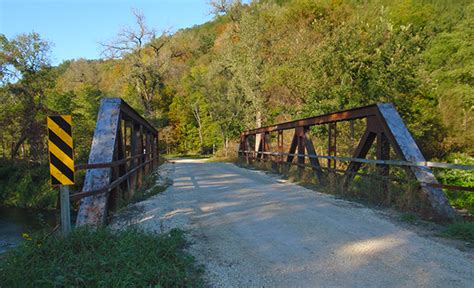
[(61, 152)]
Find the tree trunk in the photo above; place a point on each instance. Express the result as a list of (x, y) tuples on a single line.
[(16, 146), (258, 123), (4, 155), (198, 120), (144, 94), (23, 151), (226, 149)]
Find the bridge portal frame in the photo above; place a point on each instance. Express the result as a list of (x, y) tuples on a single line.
[(124, 149)]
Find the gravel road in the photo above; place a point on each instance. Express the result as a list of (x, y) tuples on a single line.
[(250, 229)]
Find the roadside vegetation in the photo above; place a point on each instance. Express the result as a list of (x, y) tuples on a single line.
[(461, 231), (459, 199), (26, 185), (101, 258), (149, 188)]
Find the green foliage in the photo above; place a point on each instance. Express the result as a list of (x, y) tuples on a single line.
[(26, 76), (83, 104), (409, 218), (101, 258), (25, 185), (149, 188), (459, 199), (449, 60), (461, 231)]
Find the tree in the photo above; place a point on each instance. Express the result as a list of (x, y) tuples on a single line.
[(221, 7), (26, 76), (141, 49), (454, 80)]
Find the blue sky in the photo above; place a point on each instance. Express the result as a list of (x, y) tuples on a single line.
[(75, 27)]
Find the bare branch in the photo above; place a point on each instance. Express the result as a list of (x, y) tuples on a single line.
[(129, 39), (220, 7)]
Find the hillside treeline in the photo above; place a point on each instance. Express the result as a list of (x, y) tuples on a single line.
[(255, 64)]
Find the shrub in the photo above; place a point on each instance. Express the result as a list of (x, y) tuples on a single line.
[(25, 185)]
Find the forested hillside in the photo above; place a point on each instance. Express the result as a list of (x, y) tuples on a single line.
[(254, 64)]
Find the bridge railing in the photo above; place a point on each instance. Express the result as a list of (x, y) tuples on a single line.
[(115, 183), (383, 126), (401, 163), (124, 149)]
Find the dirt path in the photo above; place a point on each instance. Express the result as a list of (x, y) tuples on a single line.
[(251, 230)]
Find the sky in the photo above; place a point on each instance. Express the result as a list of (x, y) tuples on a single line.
[(75, 27)]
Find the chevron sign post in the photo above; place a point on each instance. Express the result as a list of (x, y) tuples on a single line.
[(61, 162)]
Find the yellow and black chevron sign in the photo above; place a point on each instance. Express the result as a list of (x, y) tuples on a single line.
[(61, 151)]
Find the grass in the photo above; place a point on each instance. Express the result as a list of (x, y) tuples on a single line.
[(101, 258), (461, 231), (148, 189), (409, 218)]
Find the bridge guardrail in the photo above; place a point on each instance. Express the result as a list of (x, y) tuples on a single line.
[(428, 164)]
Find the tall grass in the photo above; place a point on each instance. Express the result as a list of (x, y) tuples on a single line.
[(101, 258)]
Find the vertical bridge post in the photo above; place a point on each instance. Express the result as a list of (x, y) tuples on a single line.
[(109, 146)]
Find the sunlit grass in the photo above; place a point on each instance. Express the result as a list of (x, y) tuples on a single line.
[(100, 258)]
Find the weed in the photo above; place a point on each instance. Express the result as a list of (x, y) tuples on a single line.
[(149, 188), (409, 218), (101, 258), (461, 231)]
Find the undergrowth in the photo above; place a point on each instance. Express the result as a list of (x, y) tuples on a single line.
[(409, 218), (25, 185), (461, 231), (465, 178), (149, 188), (101, 258)]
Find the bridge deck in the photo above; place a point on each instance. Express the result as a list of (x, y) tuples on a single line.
[(252, 230)]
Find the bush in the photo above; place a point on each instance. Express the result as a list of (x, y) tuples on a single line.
[(101, 258), (459, 199), (25, 185)]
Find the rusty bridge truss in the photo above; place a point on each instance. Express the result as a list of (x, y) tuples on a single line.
[(383, 126), (124, 149)]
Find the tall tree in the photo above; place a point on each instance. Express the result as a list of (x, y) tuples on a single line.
[(26, 76), (140, 49)]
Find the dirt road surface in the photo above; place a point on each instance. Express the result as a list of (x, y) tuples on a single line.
[(253, 230)]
